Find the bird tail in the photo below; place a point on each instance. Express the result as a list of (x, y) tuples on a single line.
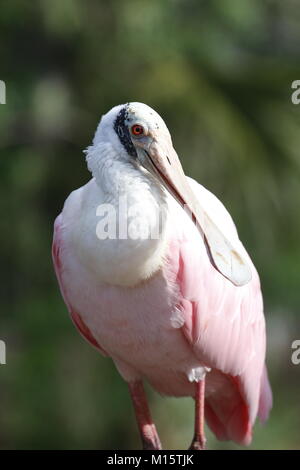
[(228, 415)]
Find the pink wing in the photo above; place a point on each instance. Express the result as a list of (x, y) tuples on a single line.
[(226, 330), (225, 326), (76, 317)]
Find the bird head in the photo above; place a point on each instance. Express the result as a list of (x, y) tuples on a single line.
[(140, 135)]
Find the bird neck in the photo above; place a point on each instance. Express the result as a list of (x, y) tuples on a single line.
[(135, 212)]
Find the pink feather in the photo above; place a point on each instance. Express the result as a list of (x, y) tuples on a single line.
[(219, 325)]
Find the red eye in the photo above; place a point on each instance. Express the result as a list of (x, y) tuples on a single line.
[(137, 129)]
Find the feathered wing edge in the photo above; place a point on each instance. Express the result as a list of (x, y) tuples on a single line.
[(75, 316), (234, 316)]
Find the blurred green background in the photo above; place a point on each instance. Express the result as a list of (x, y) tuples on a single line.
[(220, 74)]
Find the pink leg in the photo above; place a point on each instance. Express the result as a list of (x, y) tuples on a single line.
[(146, 426), (199, 439)]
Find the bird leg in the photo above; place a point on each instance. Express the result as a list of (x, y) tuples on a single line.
[(199, 439), (149, 436)]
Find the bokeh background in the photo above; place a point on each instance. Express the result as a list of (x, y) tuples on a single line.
[(220, 73)]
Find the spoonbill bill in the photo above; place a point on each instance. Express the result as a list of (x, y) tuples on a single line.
[(154, 276)]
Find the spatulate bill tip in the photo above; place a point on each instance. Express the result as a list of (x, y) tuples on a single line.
[(233, 268)]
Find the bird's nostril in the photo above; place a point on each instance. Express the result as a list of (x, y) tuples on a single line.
[(168, 159)]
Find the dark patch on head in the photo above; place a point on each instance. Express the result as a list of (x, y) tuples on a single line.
[(123, 132)]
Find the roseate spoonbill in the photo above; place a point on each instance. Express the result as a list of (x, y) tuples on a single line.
[(182, 310)]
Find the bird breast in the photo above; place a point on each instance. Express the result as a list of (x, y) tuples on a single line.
[(117, 224)]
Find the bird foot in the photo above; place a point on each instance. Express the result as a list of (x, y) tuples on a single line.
[(198, 443), (151, 440), (152, 444)]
